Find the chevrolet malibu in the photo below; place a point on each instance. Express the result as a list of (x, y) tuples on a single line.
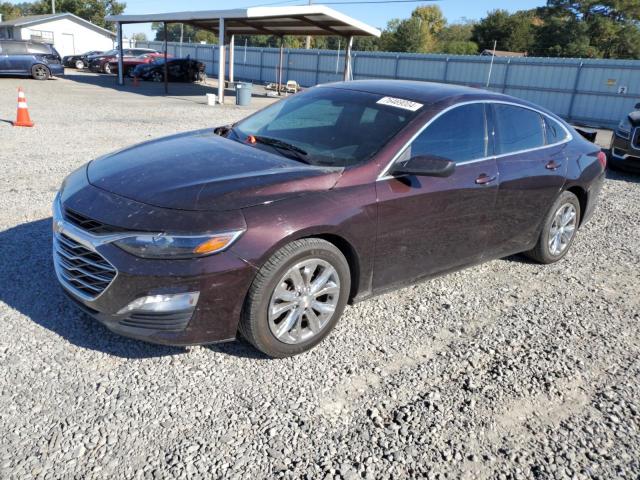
[(269, 227)]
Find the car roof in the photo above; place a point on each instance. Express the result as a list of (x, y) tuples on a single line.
[(423, 92)]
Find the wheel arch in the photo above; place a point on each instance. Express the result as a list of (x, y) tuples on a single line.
[(583, 198), (349, 252)]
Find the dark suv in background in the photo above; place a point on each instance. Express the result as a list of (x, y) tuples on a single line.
[(625, 145), (22, 57)]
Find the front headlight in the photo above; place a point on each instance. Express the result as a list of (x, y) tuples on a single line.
[(624, 128), (177, 246)]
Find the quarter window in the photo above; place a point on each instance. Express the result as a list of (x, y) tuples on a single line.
[(458, 135), (517, 129), (555, 132)]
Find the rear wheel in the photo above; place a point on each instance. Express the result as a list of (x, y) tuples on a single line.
[(79, 64), (157, 77), (107, 68), (40, 72), (559, 230), (296, 298)]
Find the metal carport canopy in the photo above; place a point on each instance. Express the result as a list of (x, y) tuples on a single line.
[(279, 21)]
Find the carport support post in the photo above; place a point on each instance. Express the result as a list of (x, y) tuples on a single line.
[(280, 62), (347, 60), (120, 51), (221, 62), (232, 40), (166, 67)]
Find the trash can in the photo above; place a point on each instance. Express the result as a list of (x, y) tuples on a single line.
[(243, 93)]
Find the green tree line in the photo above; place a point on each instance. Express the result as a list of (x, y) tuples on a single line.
[(561, 28)]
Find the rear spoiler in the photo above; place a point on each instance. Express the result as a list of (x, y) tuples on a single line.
[(588, 134)]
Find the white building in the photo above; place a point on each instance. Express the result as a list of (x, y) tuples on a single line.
[(68, 33)]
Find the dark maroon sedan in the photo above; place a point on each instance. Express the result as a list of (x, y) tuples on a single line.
[(271, 226)]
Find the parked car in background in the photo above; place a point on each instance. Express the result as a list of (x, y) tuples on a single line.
[(180, 70), (270, 226), (100, 63), (79, 61), (25, 58), (129, 63), (625, 144)]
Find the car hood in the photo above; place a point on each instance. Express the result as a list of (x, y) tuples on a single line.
[(202, 171)]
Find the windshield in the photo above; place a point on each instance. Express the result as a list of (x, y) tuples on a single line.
[(333, 126)]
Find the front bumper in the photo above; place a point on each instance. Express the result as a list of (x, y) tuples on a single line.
[(625, 154), (222, 280)]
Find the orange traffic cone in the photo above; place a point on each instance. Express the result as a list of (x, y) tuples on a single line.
[(22, 116)]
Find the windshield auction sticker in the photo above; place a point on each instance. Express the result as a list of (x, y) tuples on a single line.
[(400, 103)]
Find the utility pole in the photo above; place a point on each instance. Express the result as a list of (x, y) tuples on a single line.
[(53, 6), (308, 43)]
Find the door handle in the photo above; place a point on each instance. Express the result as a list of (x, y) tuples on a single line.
[(552, 165), (485, 179)]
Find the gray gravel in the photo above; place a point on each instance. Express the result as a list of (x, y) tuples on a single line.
[(507, 370)]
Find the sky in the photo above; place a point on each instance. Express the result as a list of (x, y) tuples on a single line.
[(375, 15)]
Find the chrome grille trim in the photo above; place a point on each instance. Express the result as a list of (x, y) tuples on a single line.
[(85, 273)]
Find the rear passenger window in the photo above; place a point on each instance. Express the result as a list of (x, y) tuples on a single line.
[(458, 135), (555, 132), (15, 48), (517, 129)]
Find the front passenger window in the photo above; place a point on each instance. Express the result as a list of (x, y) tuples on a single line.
[(457, 135)]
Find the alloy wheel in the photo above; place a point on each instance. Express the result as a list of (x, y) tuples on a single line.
[(40, 72), (156, 77), (562, 229), (304, 301), (79, 64), (107, 68)]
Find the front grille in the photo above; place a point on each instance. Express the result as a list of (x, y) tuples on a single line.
[(88, 224), (83, 270)]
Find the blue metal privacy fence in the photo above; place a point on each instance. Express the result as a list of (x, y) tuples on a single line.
[(590, 92)]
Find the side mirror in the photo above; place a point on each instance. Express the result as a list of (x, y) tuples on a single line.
[(427, 166)]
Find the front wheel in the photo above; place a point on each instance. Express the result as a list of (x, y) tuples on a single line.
[(296, 298), (559, 230), (40, 72), (107, 68), (157, 77), (79, 64)]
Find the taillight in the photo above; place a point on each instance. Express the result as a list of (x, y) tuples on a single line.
[(602, 158)]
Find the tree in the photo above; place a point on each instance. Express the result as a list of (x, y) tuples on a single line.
[(139, 37), (91, 10), (10, 11), (456, 39), (590, 28), (189, 33), (512, 32)]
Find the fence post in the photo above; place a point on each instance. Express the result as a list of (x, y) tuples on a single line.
[(317, 68), (575, 91), (505, 83), (286, 78), (395, 71), (446, 70), (261, 53)]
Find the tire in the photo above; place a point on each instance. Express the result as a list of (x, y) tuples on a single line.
[(40, 72), (79, 65), (157, 77), (557, 220), (106, 68), (270, 333)]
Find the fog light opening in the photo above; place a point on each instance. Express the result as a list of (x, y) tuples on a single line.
[(163, 303)]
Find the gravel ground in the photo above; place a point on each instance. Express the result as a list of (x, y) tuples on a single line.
[(507, 370)]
